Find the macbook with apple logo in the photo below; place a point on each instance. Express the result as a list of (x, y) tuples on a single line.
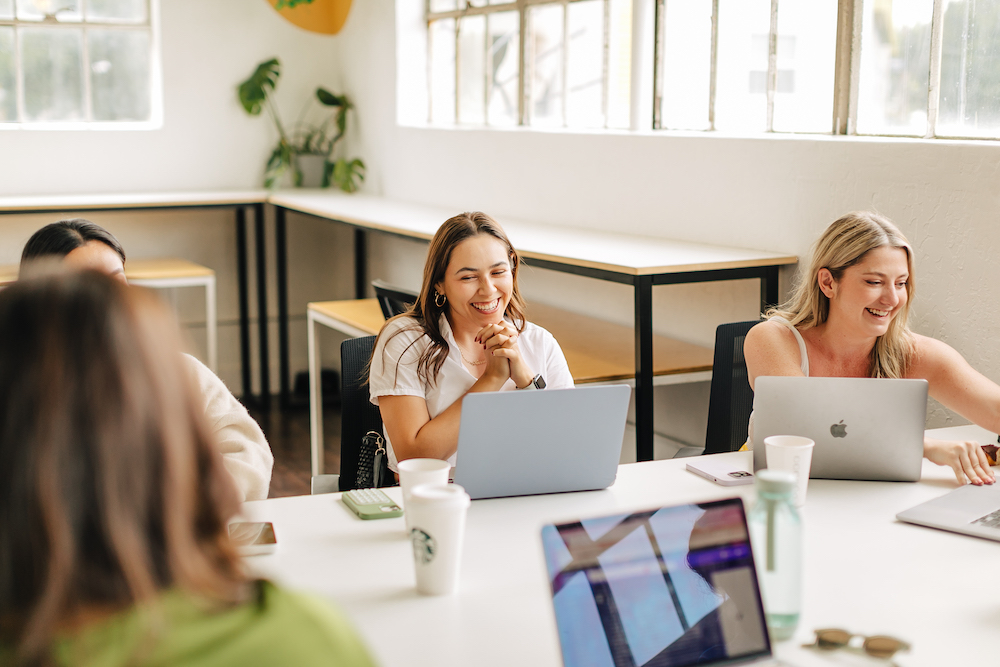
[(864, 428)]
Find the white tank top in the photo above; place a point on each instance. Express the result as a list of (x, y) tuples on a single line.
[(803, 364)]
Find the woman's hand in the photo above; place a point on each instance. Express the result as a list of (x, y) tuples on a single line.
[(500, 342), (967, 459)]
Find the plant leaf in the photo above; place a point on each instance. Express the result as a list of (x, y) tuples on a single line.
[(280, 160), (291, 3), (341, 120), (327, 98), (348, 175), (253, 92)]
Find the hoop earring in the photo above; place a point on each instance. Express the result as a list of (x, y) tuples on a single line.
[(439, 299)]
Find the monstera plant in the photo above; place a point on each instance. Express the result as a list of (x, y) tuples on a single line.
[(318, 139)]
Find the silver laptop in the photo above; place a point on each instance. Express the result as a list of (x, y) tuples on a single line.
[(971, 510), (864, 428), (518, 443), (689, 567)]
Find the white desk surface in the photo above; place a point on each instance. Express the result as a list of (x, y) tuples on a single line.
[(104, 201), (616, 252), (865, 571)]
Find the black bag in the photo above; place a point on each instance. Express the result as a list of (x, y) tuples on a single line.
[(373, 464)]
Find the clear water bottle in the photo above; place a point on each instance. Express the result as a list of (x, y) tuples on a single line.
[(776, 534)]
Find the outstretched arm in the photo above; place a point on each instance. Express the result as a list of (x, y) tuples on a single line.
[(958, 386)]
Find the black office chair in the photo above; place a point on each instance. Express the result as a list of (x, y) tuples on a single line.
[(732, 398), (357, 414), (393, 300)]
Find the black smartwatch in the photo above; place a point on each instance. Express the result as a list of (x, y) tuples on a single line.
[(537, 382)]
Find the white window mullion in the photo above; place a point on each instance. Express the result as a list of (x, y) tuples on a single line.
[(772, 64), (564, 63), (713, 76), (487, 70), (429, 63), (605, 62), (659, 44), (524, 80), (458, 70), (19, 76), (934, 77), (88, 102)]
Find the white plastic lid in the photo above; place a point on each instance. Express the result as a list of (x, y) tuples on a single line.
[(445, 494)]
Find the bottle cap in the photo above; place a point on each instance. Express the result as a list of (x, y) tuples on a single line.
[(775, 481)]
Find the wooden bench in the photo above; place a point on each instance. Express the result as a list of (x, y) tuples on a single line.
[(596, 351), (161, 274)]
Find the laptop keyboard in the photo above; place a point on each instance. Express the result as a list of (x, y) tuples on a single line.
[(991, 520)]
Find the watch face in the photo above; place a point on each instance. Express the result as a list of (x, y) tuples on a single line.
[(539, 382)]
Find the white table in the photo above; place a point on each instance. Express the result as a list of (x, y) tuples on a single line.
[(865, 572)]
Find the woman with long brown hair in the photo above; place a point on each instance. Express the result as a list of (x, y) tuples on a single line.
[(847, 317), (467, 332), (114, 501)]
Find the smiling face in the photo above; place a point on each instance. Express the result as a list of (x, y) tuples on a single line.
[(478, 283), (870, 294), (97, 256)]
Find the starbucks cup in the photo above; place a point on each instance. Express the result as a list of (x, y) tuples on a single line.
[(437, 516), (791, 453), (413, 472)]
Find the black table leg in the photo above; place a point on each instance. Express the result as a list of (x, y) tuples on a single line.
[(360, 264), (769, 288), (644, 368), (265, 362), (281, 271), (244, 301)]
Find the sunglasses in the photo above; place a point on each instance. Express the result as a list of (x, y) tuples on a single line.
[(877, 646)]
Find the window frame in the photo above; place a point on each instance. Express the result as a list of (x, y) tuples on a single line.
[(847, 67), (155, 92), (522, 8)]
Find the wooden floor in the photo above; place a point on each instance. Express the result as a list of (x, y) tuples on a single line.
[(288, 434)]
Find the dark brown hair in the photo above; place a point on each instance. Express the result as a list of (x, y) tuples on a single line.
[(61, 238), (111, 489), (427, 313)]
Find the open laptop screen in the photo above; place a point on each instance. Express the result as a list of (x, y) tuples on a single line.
[(669, 587)]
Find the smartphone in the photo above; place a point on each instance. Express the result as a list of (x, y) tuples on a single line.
[(253, 538), (371, 504), (721, 472)]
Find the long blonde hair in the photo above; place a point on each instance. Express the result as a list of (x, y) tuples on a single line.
[(842, 245)]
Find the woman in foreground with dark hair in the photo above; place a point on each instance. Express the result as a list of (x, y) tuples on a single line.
[(80, 244), (114, 500), (467, 332)]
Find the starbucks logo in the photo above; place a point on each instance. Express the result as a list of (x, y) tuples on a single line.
[(424, 547)]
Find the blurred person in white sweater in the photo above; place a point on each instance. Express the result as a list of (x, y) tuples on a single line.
[(81, 244)]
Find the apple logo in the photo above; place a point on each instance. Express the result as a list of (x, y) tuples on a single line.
[(839, 430)]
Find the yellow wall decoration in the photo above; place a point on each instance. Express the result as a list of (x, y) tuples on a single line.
[(322, 16)]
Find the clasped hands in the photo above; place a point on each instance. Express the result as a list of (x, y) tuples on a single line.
[(503, 356)]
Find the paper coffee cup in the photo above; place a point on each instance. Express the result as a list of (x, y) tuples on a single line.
[(437, 514), (791, 453), (413, 472)]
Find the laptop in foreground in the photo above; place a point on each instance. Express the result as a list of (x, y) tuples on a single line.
[(864, 428), (516, 443), (689, 567)]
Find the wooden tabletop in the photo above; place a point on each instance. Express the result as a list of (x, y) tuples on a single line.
[(128, 200), (596, 351), (616, 252), (137, 269)]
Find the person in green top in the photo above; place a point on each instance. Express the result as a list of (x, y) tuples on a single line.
[(114, 501)]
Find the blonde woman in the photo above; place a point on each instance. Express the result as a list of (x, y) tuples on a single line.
[(848, 318)]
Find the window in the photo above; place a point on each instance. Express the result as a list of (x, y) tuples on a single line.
[(930, 68), (76, 61), (923, 68), (572, 68), (746, 65)]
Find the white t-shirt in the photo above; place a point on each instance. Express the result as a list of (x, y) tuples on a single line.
[(387, 378)]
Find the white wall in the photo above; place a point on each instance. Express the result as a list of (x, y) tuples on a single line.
[(207, 142), (774, 193)]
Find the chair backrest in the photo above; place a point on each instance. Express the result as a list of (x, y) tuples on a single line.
[(393, 300), (357, 414), (732, 398)]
